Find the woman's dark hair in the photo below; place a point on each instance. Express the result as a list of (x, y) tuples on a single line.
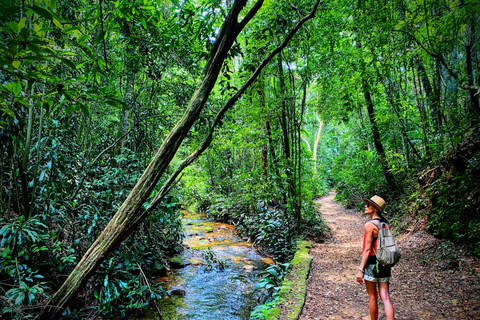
[(380, 213)]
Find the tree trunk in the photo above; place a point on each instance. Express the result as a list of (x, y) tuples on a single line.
[(272, 148), (468, 48), (290, 192), (283, 119), (129, 91), (39, 157), (24, 166), (299, 159), (317, 138), (392, 96), (264, 159), (127, 217), (315, 143), (422, 113), (264, 146), (433, 102), (376, 138)]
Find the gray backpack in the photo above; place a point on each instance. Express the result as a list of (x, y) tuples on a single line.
[(387, 251)]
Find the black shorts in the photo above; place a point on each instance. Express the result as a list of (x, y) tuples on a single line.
[(374, 274)]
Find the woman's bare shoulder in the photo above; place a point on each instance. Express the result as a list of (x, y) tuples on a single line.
[(369, 226)]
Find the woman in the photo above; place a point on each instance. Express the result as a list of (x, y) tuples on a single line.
[(375, 275)]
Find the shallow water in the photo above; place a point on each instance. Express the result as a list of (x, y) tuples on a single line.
[(216, 293)]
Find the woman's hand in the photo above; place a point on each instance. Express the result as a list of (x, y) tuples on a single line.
[(359, 276)]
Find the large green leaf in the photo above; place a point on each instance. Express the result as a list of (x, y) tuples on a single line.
[(16, 87), (69, 63), (42, 12)]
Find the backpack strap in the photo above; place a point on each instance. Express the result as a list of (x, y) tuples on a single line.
[(377, 223)]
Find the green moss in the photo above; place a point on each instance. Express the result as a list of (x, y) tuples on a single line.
[(294, 287), (194, 223), (177, 259), (178, 262)]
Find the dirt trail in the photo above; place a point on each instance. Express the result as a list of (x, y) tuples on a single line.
[(434, 279)]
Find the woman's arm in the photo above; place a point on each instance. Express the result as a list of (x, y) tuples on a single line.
[(369, 228)]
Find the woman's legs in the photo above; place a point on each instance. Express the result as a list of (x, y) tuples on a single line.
[(372, 299), (385, 296)]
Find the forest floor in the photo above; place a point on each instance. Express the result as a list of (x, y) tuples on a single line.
[(433, 280)]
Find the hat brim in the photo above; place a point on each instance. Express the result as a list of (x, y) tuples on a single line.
[(368, 201)]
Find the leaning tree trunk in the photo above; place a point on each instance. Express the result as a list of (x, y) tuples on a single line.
[(120, 226)]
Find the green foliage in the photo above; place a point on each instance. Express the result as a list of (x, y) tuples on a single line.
[(20, 246), (269, 286), (313, 226), (395, 49), (25, 294), (119, 284), (70, 67), (262, 311), (18, 236), (455, 207), (355, 173), (271, 280), (122, 285), (270, 228)]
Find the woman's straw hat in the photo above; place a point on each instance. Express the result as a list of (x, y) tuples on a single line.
[(378, 202)]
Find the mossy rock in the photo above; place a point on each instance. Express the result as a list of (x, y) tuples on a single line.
[(179, 262), (178, 292), (294, 287)]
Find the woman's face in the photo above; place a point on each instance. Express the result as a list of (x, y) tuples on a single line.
[(369, 209)]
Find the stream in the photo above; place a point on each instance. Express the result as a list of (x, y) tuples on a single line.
[(203, 292)]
